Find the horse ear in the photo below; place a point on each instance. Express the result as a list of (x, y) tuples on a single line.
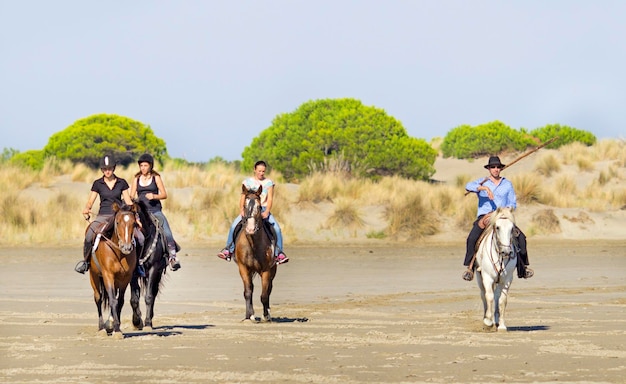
[(259, 191), (244, 190), (116, 207)]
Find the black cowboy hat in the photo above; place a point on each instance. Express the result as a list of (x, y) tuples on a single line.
[(494, 160)]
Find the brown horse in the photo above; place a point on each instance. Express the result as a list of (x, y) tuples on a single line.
[(254, 254), (112, 267)]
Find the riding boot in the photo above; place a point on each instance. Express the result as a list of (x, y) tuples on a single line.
[(83, 266), (173, 260)]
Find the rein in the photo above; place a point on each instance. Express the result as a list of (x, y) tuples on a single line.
[(496, 246)]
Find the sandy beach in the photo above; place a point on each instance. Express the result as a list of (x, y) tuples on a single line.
[(340, 315)]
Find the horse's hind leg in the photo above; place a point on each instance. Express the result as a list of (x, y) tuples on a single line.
[(96, 285), (135, 293), (266, 280)]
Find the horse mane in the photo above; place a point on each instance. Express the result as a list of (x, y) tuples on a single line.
[(502, 213)]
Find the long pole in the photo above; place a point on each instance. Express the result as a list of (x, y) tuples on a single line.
[(521, 157)]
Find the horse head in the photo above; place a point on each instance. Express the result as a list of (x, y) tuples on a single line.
[(503, 223), (252, 209), (124, 226)]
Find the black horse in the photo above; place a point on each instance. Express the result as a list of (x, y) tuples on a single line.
[(153, 259)]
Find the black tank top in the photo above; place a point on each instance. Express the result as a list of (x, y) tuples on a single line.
[(153, 205)]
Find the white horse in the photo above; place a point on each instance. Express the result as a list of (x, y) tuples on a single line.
[(496, 265)]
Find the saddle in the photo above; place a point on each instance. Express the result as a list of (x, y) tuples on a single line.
[(159, 235), (267, 227)]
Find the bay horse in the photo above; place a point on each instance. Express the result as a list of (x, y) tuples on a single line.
[(496, 264), (254, 254), (153, 258), (112, 266)]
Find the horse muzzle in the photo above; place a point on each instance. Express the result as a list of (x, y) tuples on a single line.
[(125, 248)]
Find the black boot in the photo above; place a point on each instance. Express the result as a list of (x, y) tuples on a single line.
[(83, 266)]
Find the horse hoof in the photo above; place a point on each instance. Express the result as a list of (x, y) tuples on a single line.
[(117, 335)]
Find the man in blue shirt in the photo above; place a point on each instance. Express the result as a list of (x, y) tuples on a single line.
[(493, 191)]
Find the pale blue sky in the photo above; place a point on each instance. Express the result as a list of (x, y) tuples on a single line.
[(209, 76)]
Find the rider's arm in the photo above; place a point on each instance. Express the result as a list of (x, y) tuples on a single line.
[(90, 200), (162, 195), (133, 188), (242, 200), (126, 197)]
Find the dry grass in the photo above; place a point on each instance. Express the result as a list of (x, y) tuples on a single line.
[(547, 165), (561, 193), (346, 216), (203, 199), (527, 187), (547, 221)]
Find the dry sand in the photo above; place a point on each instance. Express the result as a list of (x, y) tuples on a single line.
[(341, 315)]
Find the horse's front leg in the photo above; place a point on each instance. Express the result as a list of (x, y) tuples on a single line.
[(267, 278), (109, 286), (501, 304), (135, 294), (248, 289), (152, 291), (488, 301)]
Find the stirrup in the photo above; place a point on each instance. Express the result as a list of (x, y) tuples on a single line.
[(528, 273), (225, 254), (174, 264), (82, 267), (468, 275), (281, 258)]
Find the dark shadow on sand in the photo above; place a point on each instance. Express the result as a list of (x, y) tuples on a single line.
[(289, 319), (165, 330), (529, 328)]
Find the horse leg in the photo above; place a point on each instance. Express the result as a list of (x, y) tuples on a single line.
[(152, 290), (96, 285), (501, 304), (267, 278), (248, 289), (117, 332), (488, 301), (135, 293), (111, 293)]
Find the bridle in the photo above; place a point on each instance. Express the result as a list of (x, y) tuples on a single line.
[(251, 212), (505, 252)]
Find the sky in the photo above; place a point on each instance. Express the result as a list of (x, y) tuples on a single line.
[(209, 76)]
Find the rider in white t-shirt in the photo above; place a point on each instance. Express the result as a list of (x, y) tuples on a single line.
[(267, 199)]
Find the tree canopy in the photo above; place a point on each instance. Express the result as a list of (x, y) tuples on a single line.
[(340, 133), (90, 138), (465, 141)]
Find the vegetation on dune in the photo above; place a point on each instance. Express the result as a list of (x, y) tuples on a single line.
[(466, 142), (340, 135), (88, 139), (203, 198)]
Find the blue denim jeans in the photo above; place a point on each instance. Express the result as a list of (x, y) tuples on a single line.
[(169, 237)]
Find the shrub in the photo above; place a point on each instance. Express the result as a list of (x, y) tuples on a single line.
[(565, 135), (464, 142)]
